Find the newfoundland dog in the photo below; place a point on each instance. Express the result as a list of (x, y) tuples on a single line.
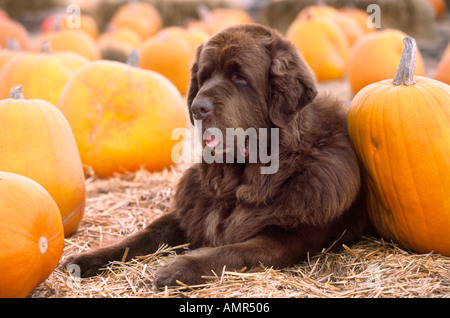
[(239, 211)]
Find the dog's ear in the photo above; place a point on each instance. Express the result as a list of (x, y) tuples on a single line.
[(292, 82), (193, 86)]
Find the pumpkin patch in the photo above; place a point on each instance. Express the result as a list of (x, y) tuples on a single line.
[(86, 139)]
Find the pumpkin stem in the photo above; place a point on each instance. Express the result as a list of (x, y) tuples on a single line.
[(45, 47), (133, 58), (12, 44), (407, 65), (16, 92)]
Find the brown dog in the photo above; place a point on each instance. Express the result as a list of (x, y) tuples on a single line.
[(235, 214)]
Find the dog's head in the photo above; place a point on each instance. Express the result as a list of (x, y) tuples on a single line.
[(248, 76)]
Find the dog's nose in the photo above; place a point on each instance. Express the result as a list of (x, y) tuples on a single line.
[(200, 108)]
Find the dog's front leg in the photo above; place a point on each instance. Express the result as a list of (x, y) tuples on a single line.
[(192, 268), (165, 230)]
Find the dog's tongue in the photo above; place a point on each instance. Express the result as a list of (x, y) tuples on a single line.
[(212, 141)]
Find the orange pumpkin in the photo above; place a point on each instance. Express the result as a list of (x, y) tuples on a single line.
[(169, 56), (439, 8), (32, 237), (12, 29), (42, 75), (72, 40), (122, 117), (322, 44), (401, 132), (36, 141), (142, 17), (443, 69), (375, 57)]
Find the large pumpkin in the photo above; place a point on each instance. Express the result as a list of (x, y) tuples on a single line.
[(31, 235), (401, 132), (375, 56), (36, 141), (122, 117), (42, 75)]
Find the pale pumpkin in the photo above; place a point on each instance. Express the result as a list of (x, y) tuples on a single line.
[(401, 133), (31, 235), (36, 141), (122, 117), (42, 75)]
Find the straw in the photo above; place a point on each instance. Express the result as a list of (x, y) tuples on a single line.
[(119, 206)]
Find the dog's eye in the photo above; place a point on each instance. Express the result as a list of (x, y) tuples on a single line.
[(239, 79)]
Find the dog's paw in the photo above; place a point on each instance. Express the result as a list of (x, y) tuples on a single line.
[(84, 265), (182, 269)]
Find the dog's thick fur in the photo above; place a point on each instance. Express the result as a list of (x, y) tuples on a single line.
[(230, 213)]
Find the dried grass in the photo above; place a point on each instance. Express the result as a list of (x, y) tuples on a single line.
[(118, 206)]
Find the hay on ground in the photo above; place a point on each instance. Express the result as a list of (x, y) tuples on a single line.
[(119, 206)]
